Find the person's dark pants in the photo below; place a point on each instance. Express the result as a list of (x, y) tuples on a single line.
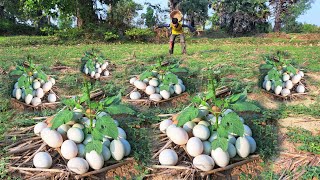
[(182, 41)]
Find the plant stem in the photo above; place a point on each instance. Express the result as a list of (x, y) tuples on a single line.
[(217, 119)]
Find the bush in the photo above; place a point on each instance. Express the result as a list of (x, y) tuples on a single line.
[(70, 34), (8, 27), (139, 34), (108, 36), (310, 28)]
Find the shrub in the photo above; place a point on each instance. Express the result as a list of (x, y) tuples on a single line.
[(139, 34), (108, 36), (8, 27), (70, 34), (310, 28)]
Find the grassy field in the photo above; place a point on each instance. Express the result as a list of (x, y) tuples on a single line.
[(237, 58)]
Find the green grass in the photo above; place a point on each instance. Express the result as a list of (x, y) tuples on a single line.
[(237, 58), (305, 140)]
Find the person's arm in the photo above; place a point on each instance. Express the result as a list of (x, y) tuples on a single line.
[(192, 29), (163, 25)]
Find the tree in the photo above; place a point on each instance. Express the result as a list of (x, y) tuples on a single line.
[(150, 19), (173, 4), (242, 16), (287, 11), (196, 10)]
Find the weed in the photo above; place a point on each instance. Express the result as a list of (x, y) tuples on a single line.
[(308, 142)]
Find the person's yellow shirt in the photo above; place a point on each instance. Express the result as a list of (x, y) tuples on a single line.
[(176, 30)]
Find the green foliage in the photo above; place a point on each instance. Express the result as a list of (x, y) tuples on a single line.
[(92, 57), (196, 10), (150, 19), (108, 36), (220, 142), (309, 142), (94, 145), (138, 33), (311, 172), (186, 115), (62, 117), (70, 34)]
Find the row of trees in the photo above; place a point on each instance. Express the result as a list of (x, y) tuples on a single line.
[(236, 16)]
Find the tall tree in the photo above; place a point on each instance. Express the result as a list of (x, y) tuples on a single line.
[(173, 4), (196, 10), (286, 11), (150, 19), (241, 16)]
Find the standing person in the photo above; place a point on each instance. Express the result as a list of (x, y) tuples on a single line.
[(176, 27)]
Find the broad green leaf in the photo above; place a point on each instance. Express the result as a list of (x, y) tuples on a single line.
[(291, 69), (94, 146), (186, 115), (231, 122), (61, 118), (113, 100), (278, 83), (245, 106), (222, 132), (179, 70), (70, 102), (220, 142), (145, 75), (266, 66), (273, 74), (16, 73), (164, 87), (170, 78), (119, 109), (210, 95), (21, 81), (107, 126), (96, 134), (42, 75), (28, 91), (84, 97), (196, 99), (219, 103)]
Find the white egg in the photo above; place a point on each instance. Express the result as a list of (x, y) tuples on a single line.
[(77, 125), (301, 74), (39, 127), (206, 147), (165, 94), (213, 136), (183, 87), (253, 144), (266, 78), (39, 93), (52, 138), (268, 85), (127, 146), (106, 153), (170, 130), (97, 76), (278, 90), (92, 74), (99, 71), (52, 98), (203, 162), (97, 65), (177, 89), (296, 78), (140, 85), (188, 126), (87, 139), (154, 82), (220, 157), (36, 84), (247, 130), (63, 129), (42, 160), (155, 97), (157, 90), (243, 147), (201, 131), (117, 150), (47, 86), (206, 123), (164, 125), (95, 160), (168, 157), (106, 73), (122, 133), (285, 77), (76, 135), (194, 146), (104, 66), (300, 89), (69, 149), (28, 99), (135, 95), (35, 101), (106, 142), (146, 80), (289, 84), (132, 80), (231, 139), (81, 150), (78, 165), (86, 70), (150, 90), (285, 92), (180, 136), (232, 150)]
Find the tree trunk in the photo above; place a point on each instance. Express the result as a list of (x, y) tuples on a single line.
[(277, 21), (85, 13), (1, 12)]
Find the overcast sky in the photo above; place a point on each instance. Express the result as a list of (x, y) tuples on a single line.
[(312, 16)]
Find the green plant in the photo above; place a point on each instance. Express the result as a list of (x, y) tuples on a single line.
[(110, 36), (27, 74), (309, 142), (138, 33), (92, 57), (104, 126), (230, 122), (310, 172)]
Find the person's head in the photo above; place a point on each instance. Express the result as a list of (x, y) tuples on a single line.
[(174, 21)]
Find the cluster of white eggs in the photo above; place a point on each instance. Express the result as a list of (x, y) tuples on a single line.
[(196, 136), (151, 88), (101, 70), (290, 83), (72, 141), (39, 90)]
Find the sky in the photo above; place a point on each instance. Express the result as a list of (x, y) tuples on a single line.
[(312, 16)]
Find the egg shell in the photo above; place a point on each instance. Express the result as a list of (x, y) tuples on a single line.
[(127, 146), (47, 86), (52, 98), (194, 146), (106, 153), (132, 80), (135, 95), (285, 92), (69, 149), (36, 84), (296, 78), (289, 84), (150, 90), (253, 144), (170, 130), (243, 147), (76, 135), (206, 147), (203, 162), (81, 150), (301, 73), (140, 85), (178, 89), (180, 136), (28, 99), (106, 142), (300, 89), (35, 101), (154, 82), (106, 73), (165, 94), (52, 138), (220, 157), (164, 125), (117, 150), (232, 139), (78, 165), (201, 131), (188, 126), (268, 85), (206, 123), (168, 157), (277, 90), (39, 127), (213, 136), (122, 133), (95, 160), (77, 125), (285, 77), (42, 160), (40, 93), (155, 97), (87, 139), (232, 150), (247, 130)]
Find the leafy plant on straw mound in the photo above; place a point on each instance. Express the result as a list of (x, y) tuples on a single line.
[(104, 125), (95, 63), (230, 122)]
